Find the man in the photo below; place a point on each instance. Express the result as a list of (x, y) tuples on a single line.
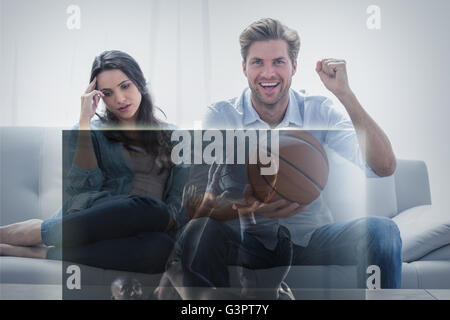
[(284, 233)]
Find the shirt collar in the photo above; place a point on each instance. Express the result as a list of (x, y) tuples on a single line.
[(292, 115), (250, 114)]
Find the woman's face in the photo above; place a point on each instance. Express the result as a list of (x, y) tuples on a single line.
[(122, 97)]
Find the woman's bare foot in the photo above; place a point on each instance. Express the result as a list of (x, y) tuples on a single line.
[(25, 252), (26, 233)]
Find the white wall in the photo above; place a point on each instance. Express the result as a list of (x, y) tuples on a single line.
[(189, 51)]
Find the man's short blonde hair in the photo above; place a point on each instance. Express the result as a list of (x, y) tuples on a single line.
[(269, 29)]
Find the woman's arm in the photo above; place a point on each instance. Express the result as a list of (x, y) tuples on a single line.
[(85, 156), (80, 159)]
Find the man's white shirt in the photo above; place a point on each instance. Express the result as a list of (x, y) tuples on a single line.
[(324, 121)]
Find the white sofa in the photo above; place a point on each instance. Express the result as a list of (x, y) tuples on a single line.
[(31, 187)]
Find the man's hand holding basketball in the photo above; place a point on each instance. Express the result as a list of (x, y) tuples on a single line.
[(214, 202), (251, 207)]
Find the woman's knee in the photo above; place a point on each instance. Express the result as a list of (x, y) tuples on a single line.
[(147, 203), (151, 214), (158, 247)]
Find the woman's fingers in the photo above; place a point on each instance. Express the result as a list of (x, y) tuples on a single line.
[(90, 95), (96, 100), (91, 85), (94, 96), (95, 93), (89, 103)]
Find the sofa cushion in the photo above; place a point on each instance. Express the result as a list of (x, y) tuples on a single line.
[(50, 182), (30, 271), (381, 197), (421, 232), (350, 194), (345, 192), (412, 184), (31, 166), (432, 274), (442, 253)]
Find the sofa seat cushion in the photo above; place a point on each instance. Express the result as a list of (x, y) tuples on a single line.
[(30, 271), (432, 274)]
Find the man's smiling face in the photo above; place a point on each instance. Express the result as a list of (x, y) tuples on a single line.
[(269, 71)]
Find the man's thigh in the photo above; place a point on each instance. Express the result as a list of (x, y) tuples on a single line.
[(335, 243), (252, 254), (210, 239)]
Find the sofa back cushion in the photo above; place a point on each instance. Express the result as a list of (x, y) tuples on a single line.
[(31, 171), (350, 195)]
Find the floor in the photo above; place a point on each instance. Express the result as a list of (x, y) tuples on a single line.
[(53, 292)]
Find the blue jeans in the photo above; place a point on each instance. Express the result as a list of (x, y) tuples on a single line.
[(206, 247), (125, 232)]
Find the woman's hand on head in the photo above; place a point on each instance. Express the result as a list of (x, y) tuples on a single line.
[(89, 103)]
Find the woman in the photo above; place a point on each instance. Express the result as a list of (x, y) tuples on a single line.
[(122, 200)]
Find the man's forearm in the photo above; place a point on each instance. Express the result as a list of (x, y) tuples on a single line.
[(375, 145), (224, 212)]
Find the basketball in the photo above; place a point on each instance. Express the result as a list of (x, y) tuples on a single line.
[(302, 170)]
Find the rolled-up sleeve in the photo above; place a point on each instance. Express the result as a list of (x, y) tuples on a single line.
[(76, 179), (82, 180)]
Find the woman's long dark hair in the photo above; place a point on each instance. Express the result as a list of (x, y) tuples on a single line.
[(156, 142)]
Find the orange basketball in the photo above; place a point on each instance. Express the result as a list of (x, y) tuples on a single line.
[(302, 172)]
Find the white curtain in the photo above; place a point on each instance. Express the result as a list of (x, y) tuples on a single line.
[(45, 65)]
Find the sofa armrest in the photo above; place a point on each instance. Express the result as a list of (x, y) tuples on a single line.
[(422, 231), (411, 184)]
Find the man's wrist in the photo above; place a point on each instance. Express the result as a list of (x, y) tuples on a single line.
[(345, 96)]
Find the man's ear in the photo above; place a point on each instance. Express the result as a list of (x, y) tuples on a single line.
[(294, 67), (244, 68)]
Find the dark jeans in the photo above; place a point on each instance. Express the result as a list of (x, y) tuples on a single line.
[(206, 247), (125, 232)]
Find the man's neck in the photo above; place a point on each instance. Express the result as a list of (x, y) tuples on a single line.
[(271, 114)]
